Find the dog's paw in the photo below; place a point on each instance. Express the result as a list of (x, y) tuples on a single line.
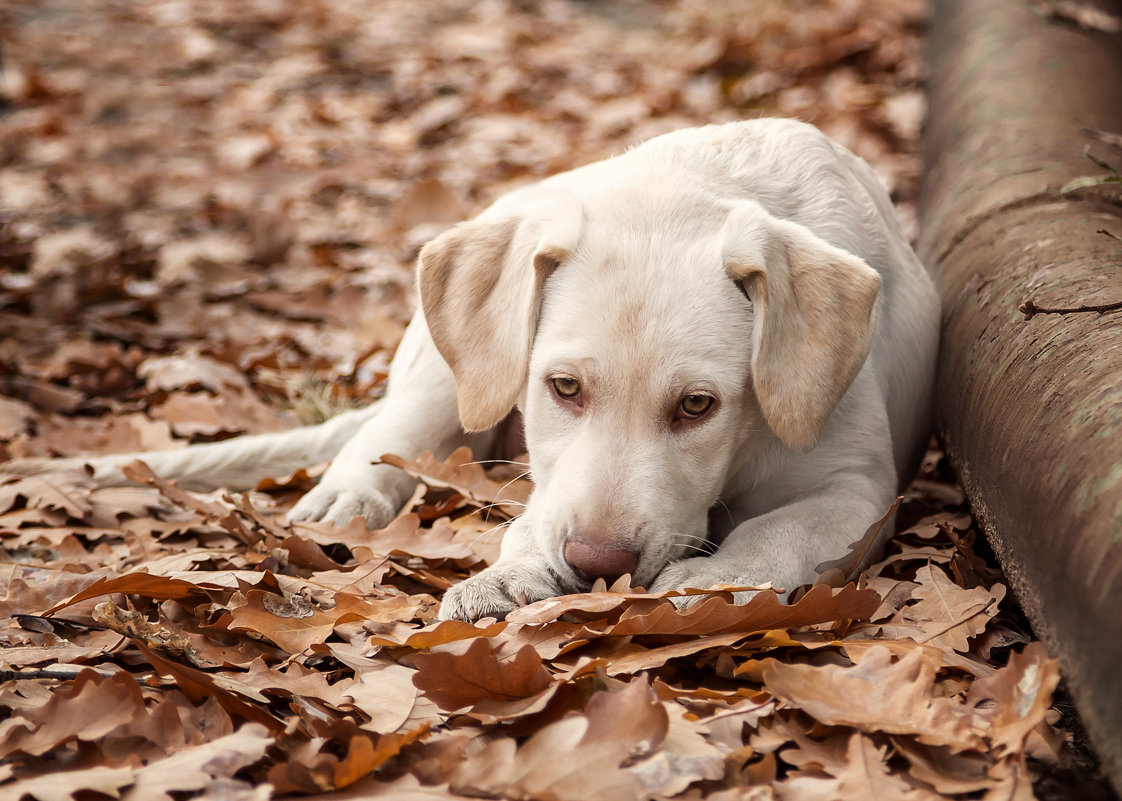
[(699, 573), (498, 590), (340, 505)]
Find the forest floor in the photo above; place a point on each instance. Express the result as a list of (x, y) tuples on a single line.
[(208, 216)]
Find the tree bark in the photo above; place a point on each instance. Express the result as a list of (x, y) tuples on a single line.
[(1030, 410)]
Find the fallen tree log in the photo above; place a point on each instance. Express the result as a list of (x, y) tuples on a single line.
[(1030, 385)]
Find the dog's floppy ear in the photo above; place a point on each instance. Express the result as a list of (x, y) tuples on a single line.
[(815, 311), (480, 285)]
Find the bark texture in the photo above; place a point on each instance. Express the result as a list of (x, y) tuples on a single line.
[(1031, 410)]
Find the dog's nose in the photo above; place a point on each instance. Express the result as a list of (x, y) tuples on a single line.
[(592, 560)]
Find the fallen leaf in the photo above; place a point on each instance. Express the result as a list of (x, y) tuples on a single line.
[(877, 695), (477, 677)]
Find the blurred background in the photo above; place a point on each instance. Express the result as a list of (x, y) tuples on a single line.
[(216, 195)]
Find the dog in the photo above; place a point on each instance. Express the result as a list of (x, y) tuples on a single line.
[(720, 342)]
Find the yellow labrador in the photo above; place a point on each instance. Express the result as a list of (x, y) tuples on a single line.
[(720, 342)]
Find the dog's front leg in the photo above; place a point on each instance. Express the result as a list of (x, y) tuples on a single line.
[(418, 413), (519, 576), (784, 545)]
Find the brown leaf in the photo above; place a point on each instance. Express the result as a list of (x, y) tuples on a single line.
[(616, 726), (64, 784), (67, 492), (197, 767), (1020, 694), (476, 676), (876, 695), (237, 699), (14, 418), (291, 621), (837, 572), (861, 775), (948, 614), (86, 710), (143, 584), (231, 412), (460, 473), (594, 604), (440, 633), (763, 611), (188, 371)]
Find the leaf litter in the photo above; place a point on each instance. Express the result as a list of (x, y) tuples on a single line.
[(208, 213)]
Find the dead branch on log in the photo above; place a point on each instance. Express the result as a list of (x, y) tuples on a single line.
[(1030, 309)]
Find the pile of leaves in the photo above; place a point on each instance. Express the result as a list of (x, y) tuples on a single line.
[(163, 642), (208, 214)]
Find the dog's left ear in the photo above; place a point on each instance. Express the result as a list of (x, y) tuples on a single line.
[(480, 285), (815, 312)]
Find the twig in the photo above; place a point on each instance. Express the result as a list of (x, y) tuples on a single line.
[(55, 674), (1105, 232), (1030, 309)]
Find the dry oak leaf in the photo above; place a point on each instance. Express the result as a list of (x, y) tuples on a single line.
[(764, 611), (458, 472), (476, 676), (947, 772), (15, 417), (598, 603), (616, 657), (948, 614), (862, 775), (186, 371), (220, 513), (233, 411), (403, 535), (311, 768), (68, 492), (90, 708), (441, 633), (836, 572), (1022, 694), (387, 696), (578, 758), (877, 695), (686, 756), (143, 584), (63, 785), (405, 788), (291, 621), (235, 697), (197, 767)]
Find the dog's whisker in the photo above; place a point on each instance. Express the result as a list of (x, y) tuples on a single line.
[(480, 535), (725, 506), (705, 547), (499, 505), (523, 474), (497, 461)]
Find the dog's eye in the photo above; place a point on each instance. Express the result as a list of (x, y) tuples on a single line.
[(566, 386), (694, 405)]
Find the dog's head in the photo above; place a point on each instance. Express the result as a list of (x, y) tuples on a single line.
[(654, 342)]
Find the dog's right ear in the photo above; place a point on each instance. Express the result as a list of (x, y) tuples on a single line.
[(481, 284)]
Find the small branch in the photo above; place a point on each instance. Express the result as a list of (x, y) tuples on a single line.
[(1030, 309), (61, 673), (1107, 233)]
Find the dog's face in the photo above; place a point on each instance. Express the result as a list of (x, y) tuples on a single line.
[(646, 376), (637, 403)]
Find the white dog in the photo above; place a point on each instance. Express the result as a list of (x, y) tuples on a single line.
[(720, 342)]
